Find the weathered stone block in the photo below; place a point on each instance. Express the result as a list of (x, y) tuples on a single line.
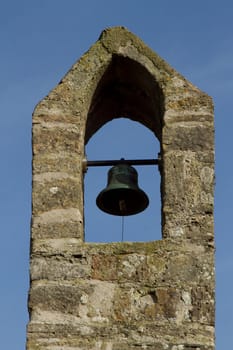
[(189, 137), (56, 162), (55, 193), (203, 305), (58, 230), (54, 139), (88, 302), (58, 223), (130, 267), (188, 184), (60, 268)]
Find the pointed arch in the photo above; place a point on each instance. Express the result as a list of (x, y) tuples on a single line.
[(119, 77), (126, 89)]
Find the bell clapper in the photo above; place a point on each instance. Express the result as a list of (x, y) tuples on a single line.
[(122, 228), (122, 206)]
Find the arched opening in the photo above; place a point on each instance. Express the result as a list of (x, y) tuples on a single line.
[(130, 140), (126, 90)]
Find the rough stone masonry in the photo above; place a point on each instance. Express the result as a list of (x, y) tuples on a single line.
[(155, 295)]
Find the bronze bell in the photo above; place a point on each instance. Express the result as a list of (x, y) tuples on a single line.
[(122, 196)]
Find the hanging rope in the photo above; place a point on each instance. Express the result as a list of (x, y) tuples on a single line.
[(122, 228)]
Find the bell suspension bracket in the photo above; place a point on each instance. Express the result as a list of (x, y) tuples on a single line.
[(92, 163)]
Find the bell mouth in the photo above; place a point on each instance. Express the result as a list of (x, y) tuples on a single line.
[(123, 201)]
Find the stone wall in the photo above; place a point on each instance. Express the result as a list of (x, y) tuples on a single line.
[(148, 295)]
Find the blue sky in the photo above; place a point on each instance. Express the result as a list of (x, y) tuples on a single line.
[(40, 40)]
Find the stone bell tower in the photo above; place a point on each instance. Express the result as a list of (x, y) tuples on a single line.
[(155, 295)]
